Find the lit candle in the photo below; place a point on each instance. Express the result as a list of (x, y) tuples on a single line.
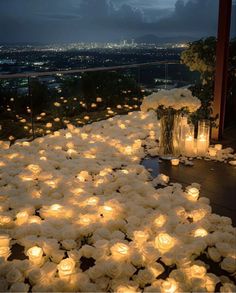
[(66, 267), (202, 145), (169, 286), (35, 255), (164, 242), (22, 217), (4, 240), (193, 193), (160, 221), (175, 162), (218, 147), (140, 236), (189, 145), (212, 152), (200, 232), (120, 251)]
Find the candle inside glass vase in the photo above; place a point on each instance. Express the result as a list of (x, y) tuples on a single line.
[(193, 193), (203, 137), (189, 141)]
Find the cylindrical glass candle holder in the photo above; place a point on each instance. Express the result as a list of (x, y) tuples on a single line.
[(189, 140), (203, 137), (183, 126)]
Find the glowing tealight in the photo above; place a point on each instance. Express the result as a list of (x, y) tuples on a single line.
[(160, 221), (164, 242), (200, 232), (22, 217), (175, 162), (120, 251), (92, 201), (169, 286), (193, 193), (55, 207), (197, 271), (35, 255), (212, 152), (218, 147), (4, 240), (140, 236)]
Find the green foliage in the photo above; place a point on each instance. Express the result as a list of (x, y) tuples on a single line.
[(201, 56)]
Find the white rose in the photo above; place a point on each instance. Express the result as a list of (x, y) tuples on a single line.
[(35, 276), (102, 283), (228, 288), (156, 269), (126, 289), (87, 251), (113, 269), (69, 244), (150, 253), (211, 281), (214, 254), (19, 287), (95, 272), (223, 248), (74, 254), (228, 264), (145, 277), (137, 259), (14, 276), (66, 267), (57, 255)]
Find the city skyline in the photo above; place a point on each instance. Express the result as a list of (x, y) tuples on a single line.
[(107, 20)]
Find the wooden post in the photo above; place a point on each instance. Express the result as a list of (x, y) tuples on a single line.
[(221, 73)]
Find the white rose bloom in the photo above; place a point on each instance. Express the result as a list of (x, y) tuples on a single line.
[(229, 264), (95, 272), (126, 289), (211, 281), (113, 269), (35, 276), (69, 244), (144, 277), (19, 287), (87, 251), (223, 248), (228, 288), (137, 259), (14, 276), (214, 254)]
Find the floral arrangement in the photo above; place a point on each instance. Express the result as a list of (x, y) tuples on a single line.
[(89, 217), (177, 99)]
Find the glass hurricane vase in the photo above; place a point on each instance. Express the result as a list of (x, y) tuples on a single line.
[(167, 139)]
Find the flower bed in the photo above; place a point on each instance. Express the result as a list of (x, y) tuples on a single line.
[(90, 218)]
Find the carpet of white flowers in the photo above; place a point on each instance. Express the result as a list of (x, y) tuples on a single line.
[(90, 217)]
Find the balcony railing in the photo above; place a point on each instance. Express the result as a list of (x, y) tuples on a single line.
[(38, 103)]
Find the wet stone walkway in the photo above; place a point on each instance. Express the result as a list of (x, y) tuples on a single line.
[(217, 179)]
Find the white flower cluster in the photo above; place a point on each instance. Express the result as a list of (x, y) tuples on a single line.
[(81, 194), (175, 98)]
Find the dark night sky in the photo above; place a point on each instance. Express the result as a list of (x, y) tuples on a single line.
[(106, 20)]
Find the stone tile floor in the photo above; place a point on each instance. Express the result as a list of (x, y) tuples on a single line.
[(218, 180)]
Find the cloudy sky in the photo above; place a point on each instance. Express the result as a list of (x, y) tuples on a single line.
[(106, 20)]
